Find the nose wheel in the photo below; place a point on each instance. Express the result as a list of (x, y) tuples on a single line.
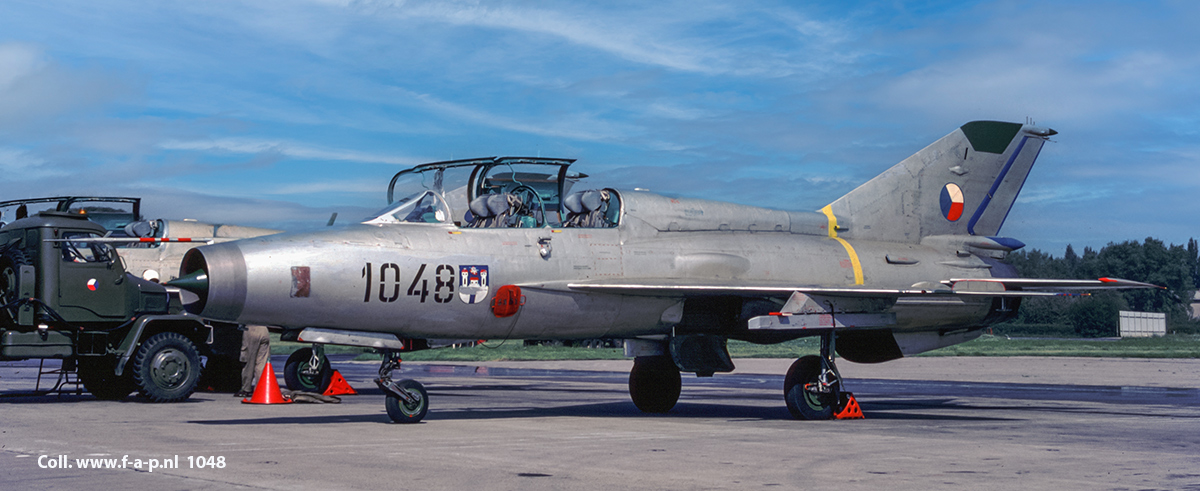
[(407, 402)]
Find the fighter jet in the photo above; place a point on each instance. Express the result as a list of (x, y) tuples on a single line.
[(519, 248)]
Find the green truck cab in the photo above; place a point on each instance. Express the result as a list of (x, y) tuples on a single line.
[(64, 294)]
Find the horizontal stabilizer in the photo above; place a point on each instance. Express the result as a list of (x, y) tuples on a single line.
[(1055, 284)]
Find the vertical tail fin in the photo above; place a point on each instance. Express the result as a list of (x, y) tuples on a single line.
[(962, 184)]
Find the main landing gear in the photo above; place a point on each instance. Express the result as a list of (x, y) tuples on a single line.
[(308, 370), (407, 402), (812, 388), (654, 383)]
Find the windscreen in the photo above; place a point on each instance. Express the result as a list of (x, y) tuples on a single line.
[(426, 207)]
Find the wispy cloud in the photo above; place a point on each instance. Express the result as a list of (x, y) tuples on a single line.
[(285, 148), (366, 186), (33, 89), (575, 126), (18, 165), (697, 37)]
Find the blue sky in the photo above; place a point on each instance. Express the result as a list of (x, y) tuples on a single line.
[(278, 113)]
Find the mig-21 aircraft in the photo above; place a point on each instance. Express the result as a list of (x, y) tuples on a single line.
[(519, 248)]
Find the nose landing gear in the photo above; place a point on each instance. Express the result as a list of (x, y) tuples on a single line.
[(407, 402)]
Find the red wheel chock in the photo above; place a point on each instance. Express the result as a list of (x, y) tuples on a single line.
[(338, 386), (850, 409)]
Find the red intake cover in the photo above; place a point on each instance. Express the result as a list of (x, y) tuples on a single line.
[(508, 301)]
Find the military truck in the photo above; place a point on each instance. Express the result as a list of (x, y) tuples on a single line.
[(149, 249), (66, 295)]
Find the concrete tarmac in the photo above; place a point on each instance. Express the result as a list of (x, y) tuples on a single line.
[(932, 423)]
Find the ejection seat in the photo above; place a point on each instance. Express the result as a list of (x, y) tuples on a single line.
[(478, 213), (594, 208), (575, 210), (500, 210)]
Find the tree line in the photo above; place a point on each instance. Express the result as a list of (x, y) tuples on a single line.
[(1176, 267)]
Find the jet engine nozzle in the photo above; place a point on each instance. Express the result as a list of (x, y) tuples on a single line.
[(217, 274)]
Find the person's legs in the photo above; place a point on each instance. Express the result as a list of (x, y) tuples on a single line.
[(256, 350)]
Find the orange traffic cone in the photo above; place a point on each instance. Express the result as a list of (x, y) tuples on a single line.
[(267, 390), (850, 409), (338, 386)]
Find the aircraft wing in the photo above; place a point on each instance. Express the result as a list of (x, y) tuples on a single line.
[(992, 287), (810, 307)]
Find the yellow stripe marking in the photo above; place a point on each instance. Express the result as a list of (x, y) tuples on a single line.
[(858, 272)]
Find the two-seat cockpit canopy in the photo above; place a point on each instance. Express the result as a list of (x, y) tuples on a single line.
[(497, 192)]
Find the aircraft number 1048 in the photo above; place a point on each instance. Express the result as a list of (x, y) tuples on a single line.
[(389, 283)]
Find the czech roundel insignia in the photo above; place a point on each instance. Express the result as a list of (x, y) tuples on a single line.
[(472, 283), (952, 202), (92, 283)]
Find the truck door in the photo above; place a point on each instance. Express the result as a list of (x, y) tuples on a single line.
[(90, 278)]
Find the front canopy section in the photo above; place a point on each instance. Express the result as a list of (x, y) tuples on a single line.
[(426, 207)]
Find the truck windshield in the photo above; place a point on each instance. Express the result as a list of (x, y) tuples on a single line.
[(79, 249)]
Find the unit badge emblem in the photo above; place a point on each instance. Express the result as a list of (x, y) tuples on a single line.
[(472, 283)]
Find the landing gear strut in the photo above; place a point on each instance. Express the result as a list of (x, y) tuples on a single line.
[(308, 370), (812, 388), (407, 402)]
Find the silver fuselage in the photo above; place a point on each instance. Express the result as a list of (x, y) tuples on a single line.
[(407, 278)]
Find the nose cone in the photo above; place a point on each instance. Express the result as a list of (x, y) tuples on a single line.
[(196, 282)]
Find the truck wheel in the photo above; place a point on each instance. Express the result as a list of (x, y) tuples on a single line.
[(299, 376), (166, 367), (98, 378)]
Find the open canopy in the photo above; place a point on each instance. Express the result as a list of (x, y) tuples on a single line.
[(460, 191)]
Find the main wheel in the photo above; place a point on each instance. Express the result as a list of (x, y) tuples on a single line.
[(99, 378), (403, 412), (300, 376), (167, 367), (654, 383), (802, 403)]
